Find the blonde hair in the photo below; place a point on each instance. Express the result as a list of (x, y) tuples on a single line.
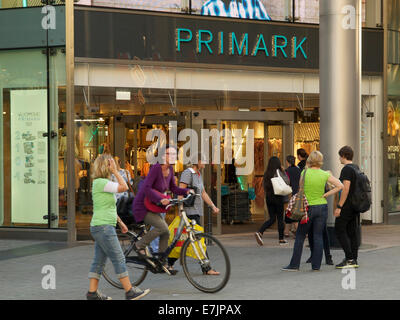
[(101, 168), (315, 159)]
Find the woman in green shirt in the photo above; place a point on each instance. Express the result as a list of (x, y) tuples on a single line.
[(314, 189), (102, 228)]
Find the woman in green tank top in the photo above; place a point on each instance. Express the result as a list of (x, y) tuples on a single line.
[(314, 189), (102, 229)]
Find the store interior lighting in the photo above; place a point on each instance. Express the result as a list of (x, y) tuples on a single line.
[(90, 120), (123, 95)]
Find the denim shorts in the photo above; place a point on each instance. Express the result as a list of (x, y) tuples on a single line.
[(107, 246)]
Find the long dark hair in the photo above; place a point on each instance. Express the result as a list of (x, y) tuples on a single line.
[(273, 164)]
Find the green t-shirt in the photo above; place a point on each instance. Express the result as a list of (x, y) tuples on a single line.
[(314, 187), (104, 208)]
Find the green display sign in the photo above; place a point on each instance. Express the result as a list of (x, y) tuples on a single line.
[(29, 156)]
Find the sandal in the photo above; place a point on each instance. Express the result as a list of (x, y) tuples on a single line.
[(141, 252)]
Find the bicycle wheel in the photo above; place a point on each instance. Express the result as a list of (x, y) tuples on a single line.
[(213, 255), (137, 271)]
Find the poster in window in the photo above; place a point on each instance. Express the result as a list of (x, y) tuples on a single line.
[(29, 156)]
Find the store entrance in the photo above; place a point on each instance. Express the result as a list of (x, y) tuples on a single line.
[(241, 196), (131, 142)]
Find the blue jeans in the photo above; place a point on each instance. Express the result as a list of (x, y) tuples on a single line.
[(318, 216), (107, 246)]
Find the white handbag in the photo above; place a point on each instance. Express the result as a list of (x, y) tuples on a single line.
[(280, 186)]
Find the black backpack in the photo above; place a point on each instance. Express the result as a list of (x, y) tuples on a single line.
[(361, 199)]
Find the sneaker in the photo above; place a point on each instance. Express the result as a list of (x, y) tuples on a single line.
[(136, 293), (258, 236), (283, 242), (97, 296), (347, 264), (289, 268)]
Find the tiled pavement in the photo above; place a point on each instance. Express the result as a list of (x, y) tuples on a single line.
[(255, 274)]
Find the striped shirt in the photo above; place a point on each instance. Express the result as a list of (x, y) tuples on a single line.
[(245, 9)]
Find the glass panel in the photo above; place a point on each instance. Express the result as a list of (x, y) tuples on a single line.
[(154, 5), (4, 4), (393, 113), (393, 9), (58, 140), (307, 11), (24, 167), (366, 144), (234, 9)]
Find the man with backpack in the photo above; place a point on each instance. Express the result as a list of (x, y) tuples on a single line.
[(354, 198)]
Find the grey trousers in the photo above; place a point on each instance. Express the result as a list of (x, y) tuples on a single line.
[(160, 230)]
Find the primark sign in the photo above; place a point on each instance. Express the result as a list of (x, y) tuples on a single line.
[(232, 44), (177, 38)]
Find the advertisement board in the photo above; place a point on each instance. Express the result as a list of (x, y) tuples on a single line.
[(29, 156)]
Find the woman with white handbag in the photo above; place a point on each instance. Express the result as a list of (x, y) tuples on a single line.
[(276, 188)]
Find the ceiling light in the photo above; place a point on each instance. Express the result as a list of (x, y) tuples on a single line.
[(244, 109), (89, 120), (123, 95)]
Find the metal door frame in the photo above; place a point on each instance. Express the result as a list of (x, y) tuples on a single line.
[(286, 119)]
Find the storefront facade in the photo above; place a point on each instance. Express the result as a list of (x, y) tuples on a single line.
[(139, 70)]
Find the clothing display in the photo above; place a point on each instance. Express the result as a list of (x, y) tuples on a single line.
[(274, 148), (259, 156), (258, 185), (306, 136)]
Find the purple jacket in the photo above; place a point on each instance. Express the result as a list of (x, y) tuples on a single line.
[(154, 180)]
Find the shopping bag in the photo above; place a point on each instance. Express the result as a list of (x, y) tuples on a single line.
[(176, 252), (281, 188), (297, 209)]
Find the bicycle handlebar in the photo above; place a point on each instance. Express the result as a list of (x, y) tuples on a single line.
[(175, 202)]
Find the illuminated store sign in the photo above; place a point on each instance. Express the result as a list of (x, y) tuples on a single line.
[(175, 38), (240, 44)]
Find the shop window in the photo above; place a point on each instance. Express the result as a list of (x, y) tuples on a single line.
[(24, 150)]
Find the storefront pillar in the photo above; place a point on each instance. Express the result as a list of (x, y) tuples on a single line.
[(288, 140), (340, 84), (69, 30)]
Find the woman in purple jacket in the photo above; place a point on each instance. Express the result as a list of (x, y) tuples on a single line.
[(160, 179)]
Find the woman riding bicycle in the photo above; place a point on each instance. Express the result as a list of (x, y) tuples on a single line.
[(160, 179)]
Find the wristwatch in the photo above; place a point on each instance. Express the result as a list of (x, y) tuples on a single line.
[(339, 206)]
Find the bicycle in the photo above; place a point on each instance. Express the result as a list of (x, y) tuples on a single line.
[(199, 251)]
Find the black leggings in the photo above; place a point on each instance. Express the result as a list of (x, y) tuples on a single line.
[(275, 210)]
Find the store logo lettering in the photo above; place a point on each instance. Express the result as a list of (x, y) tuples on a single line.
[(239, 44)]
